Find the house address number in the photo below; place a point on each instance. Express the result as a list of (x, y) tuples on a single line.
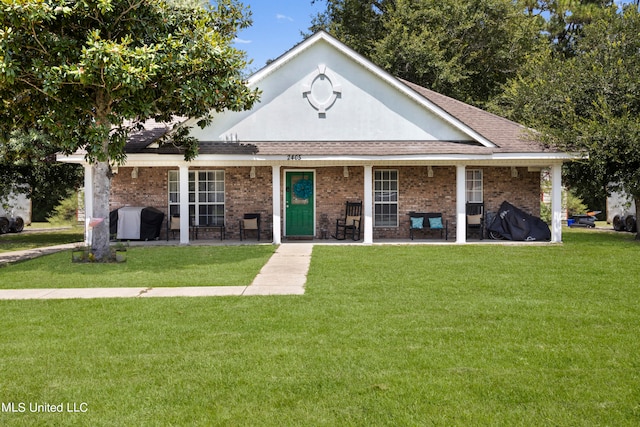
[(294, 157)]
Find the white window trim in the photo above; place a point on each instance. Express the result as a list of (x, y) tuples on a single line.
[(471, 193), (194, 215), (381, 203)]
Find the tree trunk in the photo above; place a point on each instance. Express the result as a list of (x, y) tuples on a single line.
[(101, 191), (636, 200), (102, 180)]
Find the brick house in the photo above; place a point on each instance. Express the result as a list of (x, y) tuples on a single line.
[(352, 132)]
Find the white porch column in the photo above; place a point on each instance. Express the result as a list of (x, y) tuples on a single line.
[(461, 214), (184, 204), (556, 203), (88, 202), (277, 206), (368, 205)]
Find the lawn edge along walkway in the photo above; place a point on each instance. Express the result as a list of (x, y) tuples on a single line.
[(285, 273)]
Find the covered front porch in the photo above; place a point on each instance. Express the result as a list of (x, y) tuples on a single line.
[(422, 187)]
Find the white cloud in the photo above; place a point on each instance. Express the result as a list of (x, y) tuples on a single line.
[(242, 41), (281, 17)]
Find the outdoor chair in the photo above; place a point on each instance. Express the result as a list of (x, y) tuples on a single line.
[(475, 219), (250, 222), (351, 224), (173, 226)]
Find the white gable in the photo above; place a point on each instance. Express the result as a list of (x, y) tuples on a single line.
[(318, 92)]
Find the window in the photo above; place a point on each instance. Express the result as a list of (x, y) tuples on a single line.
[(385, 198), (206, 196), (474, 185)]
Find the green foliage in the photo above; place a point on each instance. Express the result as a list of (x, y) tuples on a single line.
[(464, 49), (357, 23), (88, 73), (99, 64), (565, 19), (66, 211), (571, 204), (589, 102), (28, 165)]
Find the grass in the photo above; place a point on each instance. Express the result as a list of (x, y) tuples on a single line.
[(384, 336), (167, 266), (45, 236)]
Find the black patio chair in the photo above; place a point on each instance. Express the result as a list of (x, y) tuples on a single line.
[(351, 223), (250, 222), (475, 218)]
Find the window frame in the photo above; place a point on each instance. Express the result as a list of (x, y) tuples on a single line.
[(206, 193), (474, 186), (386, 198)]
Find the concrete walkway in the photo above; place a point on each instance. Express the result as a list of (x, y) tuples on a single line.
[(284, 274)]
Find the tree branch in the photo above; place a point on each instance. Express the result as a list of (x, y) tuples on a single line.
[(28, 83), (35, 37)]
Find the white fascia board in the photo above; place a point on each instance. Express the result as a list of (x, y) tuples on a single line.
[(286, 57), (169, 160), (238, 159)]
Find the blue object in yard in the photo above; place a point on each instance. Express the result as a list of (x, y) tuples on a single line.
[(570, 222)]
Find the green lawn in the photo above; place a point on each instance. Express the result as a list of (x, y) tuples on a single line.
[(43, 237), (163, 266), (393, 336)]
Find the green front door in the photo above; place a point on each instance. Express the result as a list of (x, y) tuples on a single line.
[(300, 203)]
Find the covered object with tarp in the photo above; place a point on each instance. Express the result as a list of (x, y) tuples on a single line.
[(512, 223), (136, 223)]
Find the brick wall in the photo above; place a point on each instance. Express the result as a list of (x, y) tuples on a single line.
[(333, 190), (418, 192), (523, 192), (248, 195), (149, 189)]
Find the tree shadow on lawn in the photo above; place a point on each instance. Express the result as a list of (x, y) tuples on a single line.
[(145, 267)]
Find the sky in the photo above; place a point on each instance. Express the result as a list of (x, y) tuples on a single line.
[(276, 28), (277, 25)]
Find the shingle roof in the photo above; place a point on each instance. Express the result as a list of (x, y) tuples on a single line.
[(151, 132), (508, 136), (353, 148)]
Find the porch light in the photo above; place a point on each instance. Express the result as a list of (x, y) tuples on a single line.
[(345, 171), (134, 173), (429, 171), (252, 172), (514, 172)]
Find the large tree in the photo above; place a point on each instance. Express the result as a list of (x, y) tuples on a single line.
[(590, 102), (357, 23), (86, 73), (564, 19), (462, 48)]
